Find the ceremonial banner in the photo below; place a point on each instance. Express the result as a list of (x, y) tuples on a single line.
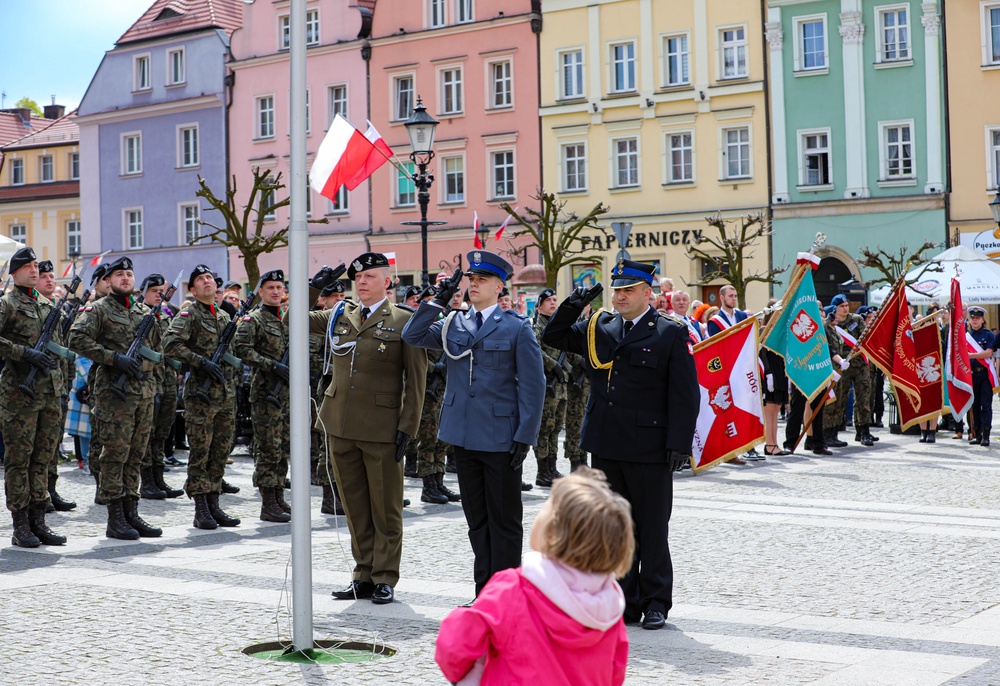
[(849, 340), (731, 418), (889, 345), (798, 335), (958, 367), (927, 348), (991, 371)]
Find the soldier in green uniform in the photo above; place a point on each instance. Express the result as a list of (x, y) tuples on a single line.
[(854, 372), (192, 338), (261, 342), (99, 283), (577, 392), (319, 378), (29, 423), (557, 373), (164, 402), (47, 287), (103, 333)]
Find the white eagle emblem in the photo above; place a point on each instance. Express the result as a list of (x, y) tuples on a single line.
[(928, 370), (477, 257), (357, 265), (803, 327), (720, 399)]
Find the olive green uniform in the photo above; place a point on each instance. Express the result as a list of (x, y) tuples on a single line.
[(431, 451), (857, 374), (164, 406), (554, 410), (317, 445), (577, 392)]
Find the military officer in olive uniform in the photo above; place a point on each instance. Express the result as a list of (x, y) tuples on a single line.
[(261, 342), (153, 484), (99, 283), (29, 421), (124, 387), (192, 339), (557, 371), (853, 372), (370, 412)]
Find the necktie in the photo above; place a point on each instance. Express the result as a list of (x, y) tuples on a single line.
[(364, 314), (479, 320), (626, 329)]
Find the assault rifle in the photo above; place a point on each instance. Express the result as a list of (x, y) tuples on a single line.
[(71, 315), (222, 353), (45, 344), (559, 364), (138, 348)]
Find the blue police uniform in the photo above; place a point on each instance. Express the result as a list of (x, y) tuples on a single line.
[(494, 393), (982, 390)]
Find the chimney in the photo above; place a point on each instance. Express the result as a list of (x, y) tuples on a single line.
[(23, 113), (54, 111)]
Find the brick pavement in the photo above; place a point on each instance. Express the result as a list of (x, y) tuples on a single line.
[(874, 567)]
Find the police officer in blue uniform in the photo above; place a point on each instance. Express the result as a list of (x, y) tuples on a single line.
[(982, 390), (640, 418), (492, 407)]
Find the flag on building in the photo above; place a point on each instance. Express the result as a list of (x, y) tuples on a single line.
[(889, 345), (504, 225), (930, 372), (958, 366), (97, 259), (475, 231), (346, 157), (731, 418), (379, 155), (798, 335)]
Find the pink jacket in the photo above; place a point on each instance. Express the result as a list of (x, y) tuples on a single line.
[(541, 624)]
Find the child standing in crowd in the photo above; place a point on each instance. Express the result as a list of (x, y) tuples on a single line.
[(557, 619)]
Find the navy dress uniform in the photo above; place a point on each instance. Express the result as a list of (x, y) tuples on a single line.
[(639, 423), (491, 411), (982, 388)]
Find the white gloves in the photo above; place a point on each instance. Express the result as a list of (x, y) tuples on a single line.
[(844, 363), (769, 378)]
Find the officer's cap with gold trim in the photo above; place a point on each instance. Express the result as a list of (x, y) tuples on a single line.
[(362, 263), (629, 273), (198, 271), (22, 257), (121, 264), (486, 263)]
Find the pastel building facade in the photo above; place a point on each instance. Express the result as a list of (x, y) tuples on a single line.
[(153, 121)]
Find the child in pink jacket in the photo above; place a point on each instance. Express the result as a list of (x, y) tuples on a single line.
[(557, 619)]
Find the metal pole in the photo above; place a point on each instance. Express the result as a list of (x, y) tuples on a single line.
[(298, 266), (424, 197)]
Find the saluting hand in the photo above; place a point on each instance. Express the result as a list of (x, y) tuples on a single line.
[(581, 296), (402, 443), (518, 452), (448, 288)]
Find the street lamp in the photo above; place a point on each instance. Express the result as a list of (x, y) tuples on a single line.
[(482, 233), (995, 207), (420, 128)]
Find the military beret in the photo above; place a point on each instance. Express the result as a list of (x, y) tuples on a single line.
[(485, 263), (828, 310), (22, 257), (504, 293), (629, 273), (152, 281), (546, 294), (99, 273), (45, 266), (335, 287), (411, 291), (218, 282), (273, 275), (838, 300), (122, 263), (863, 311), (370, 260), (196, 272)]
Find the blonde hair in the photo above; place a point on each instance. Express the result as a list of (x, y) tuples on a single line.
[(589, 526)]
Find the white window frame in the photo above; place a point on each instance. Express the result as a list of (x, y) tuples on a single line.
[(137, 72), (492, 154), (613, 86), (992, 157), (284, 32), (724, 175), (909, 179), (880, 44), (127, 169), (491, 81), (182, 147), (457, 87), (308, 115), (436, 14), (991, 45), (736, 45), (799, 51), (331, 102), (74, 166), (270, 216), (341, 204), (394, 93), (580, 74), (16, 172), (465, 11), (312, 24), (616, 156), (173, 79), (803, 152), (23, 240), (73, 231), (564, 166), (46, 160), (397, 179), (684, 59), (446, 197), (259, 133), (127, 228), (668, 157), (182, 221)]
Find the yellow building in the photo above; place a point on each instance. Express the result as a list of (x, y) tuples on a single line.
[(40, 191), (973, 122), (656, 109)]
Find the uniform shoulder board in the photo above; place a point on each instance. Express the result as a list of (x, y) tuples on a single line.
[(404, 307), (516, 314), (185, 313), (673, 318)]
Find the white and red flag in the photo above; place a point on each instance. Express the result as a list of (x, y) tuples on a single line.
[(850, 341), (97, 259), (958, 366), (504, 226), (67, 270), (987, 362), (346, 157), (475, 231), (731, 417)]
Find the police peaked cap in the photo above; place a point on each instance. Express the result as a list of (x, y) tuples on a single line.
[(485, 263), (273, 275), (99, 273), (370, 260), (122, 263), (335, 287), (152, 281), (545, 295), (45, 266), (629, 273), (22, 257), (198, 271)]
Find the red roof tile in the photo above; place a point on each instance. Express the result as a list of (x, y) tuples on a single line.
[(39, 191), (13, 127), (170, 17), (62, 131)]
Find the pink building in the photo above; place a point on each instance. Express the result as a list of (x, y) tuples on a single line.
[(474, 63), (259, 124)]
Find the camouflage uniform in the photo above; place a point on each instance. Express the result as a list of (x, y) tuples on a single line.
[(96, 442), (30, 428), (165, 405), (261, 340), (554, 411), (193, 335), (857, 374), (317, 457), (102, 329), (431, 452), (577, 392)]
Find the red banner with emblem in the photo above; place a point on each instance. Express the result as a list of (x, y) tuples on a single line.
[(958, 365), (930, 372), (889, 345), (731, 417)]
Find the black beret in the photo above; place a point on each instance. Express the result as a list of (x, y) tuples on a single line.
[(120, 264), (99, 273), (218, 282), (370, 260), (504, 293), (22, 257), (152, 281), (273, 275), (196, 272), (45, 266), (335, 287), (411, 291), (546, 294)]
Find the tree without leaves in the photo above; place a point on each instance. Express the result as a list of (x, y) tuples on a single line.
[(556, 233), (726, 253), (244, 225), (893, 265)]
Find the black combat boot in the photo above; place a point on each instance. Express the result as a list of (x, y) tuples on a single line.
[(148, 487), (279, 496), (130, 506), (543, 478), (217, 514), (931, 436), (985, 436), (576, 464), (163, 486), (410, 466), (229, 488), (430, 492), (202, 517), (866, 439), (923, 436), (331, 502), (451, 495), (270, 511), (832, 441), (23, 536), (36, 520), (553, 471), (58, 502), (118, 526)]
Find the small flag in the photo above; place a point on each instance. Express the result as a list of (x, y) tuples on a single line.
[(475, 230), (391, 256), (504, 226), (98, 258), (67, 270), (809, 259)]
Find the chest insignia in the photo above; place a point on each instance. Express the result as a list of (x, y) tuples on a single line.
[(379, 325), (185, 313), (381, 347)]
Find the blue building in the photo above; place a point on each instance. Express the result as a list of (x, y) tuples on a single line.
[(151, 122)]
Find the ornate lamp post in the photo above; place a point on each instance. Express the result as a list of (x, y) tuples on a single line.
[(420, 128), (483, 233)]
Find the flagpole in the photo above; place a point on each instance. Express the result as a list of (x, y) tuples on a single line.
[(881, 313), (809, 423), (792, 285)]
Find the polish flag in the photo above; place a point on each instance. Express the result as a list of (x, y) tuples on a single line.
[(504, 226), (391, 256), (809, 259), (850, 341), (341, 158), (475, 229), (379, 155), (67, 270), (99, 258)]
